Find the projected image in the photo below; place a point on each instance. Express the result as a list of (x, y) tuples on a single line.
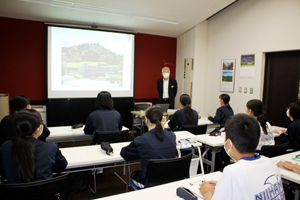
[(82, 62), (91, 64)]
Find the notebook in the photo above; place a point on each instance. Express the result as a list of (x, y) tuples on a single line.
[(164, 107)]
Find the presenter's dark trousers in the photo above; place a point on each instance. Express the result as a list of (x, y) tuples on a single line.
[(166, 101)]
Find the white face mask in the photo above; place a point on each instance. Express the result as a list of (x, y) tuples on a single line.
[(229, 149), (288, 113), (166, 75)]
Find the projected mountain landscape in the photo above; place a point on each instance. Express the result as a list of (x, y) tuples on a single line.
[(90, 64)]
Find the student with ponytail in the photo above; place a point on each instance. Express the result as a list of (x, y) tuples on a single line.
[(27, 159), (223, 112), (157, 143), (255, 108), (184, 116)]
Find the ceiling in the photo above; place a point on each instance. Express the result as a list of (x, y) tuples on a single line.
[(189, 12)]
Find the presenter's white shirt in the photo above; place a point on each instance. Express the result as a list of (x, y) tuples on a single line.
[(266, 139), (166, 89), (255, 178)]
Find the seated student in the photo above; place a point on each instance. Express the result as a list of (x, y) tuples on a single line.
[(105, 118), (292, 133), (27, 159), (252, 176), (20, 102), (184, 116), (255, 109), (155, 144), (223, 112)]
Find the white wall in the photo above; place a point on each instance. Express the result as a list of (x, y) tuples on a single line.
[(246, 27)]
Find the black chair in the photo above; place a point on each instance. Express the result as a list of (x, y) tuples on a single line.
[(161, 171), (137, 121), (195, 129), (50, 189), (110, 136), (274, 150)]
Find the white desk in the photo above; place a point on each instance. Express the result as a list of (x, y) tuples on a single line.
[(166, 191), (290, 178), (67, 134), (91, 155)]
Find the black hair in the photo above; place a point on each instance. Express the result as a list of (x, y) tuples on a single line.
[(155, 115), (226, 99), (24, 153), (295, 110), (104, 101), (20, 102), (257, 107), (186, 101), (244, 132)]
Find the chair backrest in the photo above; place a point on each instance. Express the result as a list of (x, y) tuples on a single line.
[(161, 171), (50, 189), (195, 129), (141, 106), (110, 136), (274, 150)]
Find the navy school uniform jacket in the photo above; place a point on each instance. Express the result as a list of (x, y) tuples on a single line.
[(5, 129), (293, 135), (221, 116), (103, 120), (179, 119), (147, 146), (49, 158)]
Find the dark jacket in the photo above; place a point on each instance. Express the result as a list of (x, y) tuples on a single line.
[(179, 119), (49, 158), (103, 120), (292, 135), (6, 127), (172, 90), (147, 146), (221, 116)]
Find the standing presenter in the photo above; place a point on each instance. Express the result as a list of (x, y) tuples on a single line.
[(167, 88)]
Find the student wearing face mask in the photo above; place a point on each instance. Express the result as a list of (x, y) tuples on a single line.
[(157, 143), (252, 176), (25, 158), (167, 88), (185, 116), (223, 112), (292, 133)]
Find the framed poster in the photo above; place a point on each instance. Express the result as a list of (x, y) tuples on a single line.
[(247, 66), (227, 75)]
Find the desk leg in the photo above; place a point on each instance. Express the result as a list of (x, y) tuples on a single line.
[(213, 161), (95, 189)]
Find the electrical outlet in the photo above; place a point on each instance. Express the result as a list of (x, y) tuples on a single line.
[(245, 90), (251, 90), (240, 89)]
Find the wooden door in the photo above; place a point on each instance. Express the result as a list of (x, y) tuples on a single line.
[(281, 85)]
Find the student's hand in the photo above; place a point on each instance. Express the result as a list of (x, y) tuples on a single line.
[(278, 130), (163, 122), (289, 166), (207, 190), (213, 183), (208, 116)]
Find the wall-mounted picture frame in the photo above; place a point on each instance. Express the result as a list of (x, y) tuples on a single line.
[(227, 75)]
